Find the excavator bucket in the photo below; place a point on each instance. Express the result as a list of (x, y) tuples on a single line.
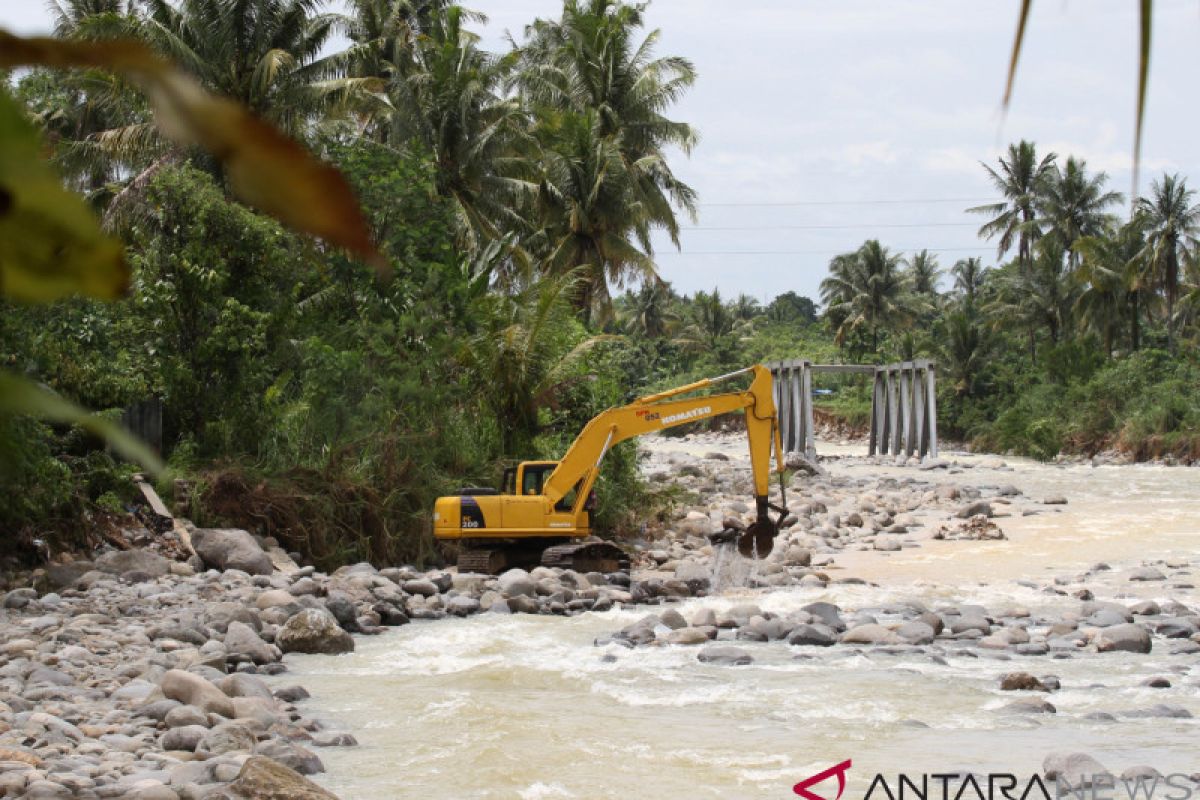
[(759, 539)]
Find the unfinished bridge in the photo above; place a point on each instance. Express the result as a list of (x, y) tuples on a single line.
[(903, 405)]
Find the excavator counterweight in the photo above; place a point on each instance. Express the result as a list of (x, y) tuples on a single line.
[(542, 512)]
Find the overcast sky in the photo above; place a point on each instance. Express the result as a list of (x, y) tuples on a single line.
[(826, 123)]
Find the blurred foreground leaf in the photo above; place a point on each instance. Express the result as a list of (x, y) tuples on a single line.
[(51, 244), (265, 168), (22, 396), (1145, 20)]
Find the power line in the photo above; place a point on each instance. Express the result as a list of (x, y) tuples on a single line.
[(913, 201), (808, 252), (830, 227)]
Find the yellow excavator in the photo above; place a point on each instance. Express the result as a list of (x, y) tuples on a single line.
[(542, 511)]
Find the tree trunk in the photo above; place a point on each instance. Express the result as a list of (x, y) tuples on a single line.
[(1133, 322), (1171, 279), (1171, 321)]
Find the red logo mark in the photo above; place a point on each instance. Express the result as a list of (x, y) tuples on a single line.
[(801, 788)]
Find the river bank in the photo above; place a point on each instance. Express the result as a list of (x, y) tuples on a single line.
[(864, 635)]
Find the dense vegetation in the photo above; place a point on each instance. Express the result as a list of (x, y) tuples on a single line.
[(308, 397), (513, 196), (1084, 341)]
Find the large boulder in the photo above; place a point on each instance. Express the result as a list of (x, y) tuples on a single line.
[(688, 636), (725, 655), (672, 619), (1177, 627), (1127, 637), (916, 632), (1021, 682), (230, 548), (242, 643), (517, 583), (120, 562), (797, 556), (193, 690), (262, 778), (826, 613), (184, 737), (221, 615), (1147, 574), (870, 634), (313, 630), (817, 635), (1077, 769), (241, 684), (421, 586), (60, 576), (975, 508), (275, 598), (228, 737), (292, 756), (1106, 618), (1029, 705)]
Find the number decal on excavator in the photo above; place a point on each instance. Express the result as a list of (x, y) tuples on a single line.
[(472, 515)]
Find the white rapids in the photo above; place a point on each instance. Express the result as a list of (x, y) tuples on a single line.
[(527, 707)]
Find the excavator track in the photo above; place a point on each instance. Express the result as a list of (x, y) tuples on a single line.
[(586, 557), (488, 562)]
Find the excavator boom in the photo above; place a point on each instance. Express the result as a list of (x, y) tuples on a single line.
[(555, 508)]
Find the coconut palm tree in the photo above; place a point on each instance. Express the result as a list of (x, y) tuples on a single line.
[(1041, 297), (867, 291), (791, 307), (713, 323), (585, 204), (451, 102), (649, 313), (924, 273), (384, 35), (1172, 225), (71, 17), (1189, 286), (965, 348), (266, 54), (518, 355), (1075, 204), (76, 109), (745, 308), (1114, 281), (1022, 180), (590, 61), (969, 275)]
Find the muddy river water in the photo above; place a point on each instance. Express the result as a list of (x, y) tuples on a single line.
[(526, 707)]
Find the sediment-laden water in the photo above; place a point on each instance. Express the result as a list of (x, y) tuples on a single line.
[(499, 706)]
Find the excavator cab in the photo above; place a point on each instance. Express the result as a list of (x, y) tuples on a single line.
[(530, 477)]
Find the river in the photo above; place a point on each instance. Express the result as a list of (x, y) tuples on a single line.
[(527, 707)]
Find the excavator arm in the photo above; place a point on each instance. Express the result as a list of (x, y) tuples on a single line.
[(580, 466)]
